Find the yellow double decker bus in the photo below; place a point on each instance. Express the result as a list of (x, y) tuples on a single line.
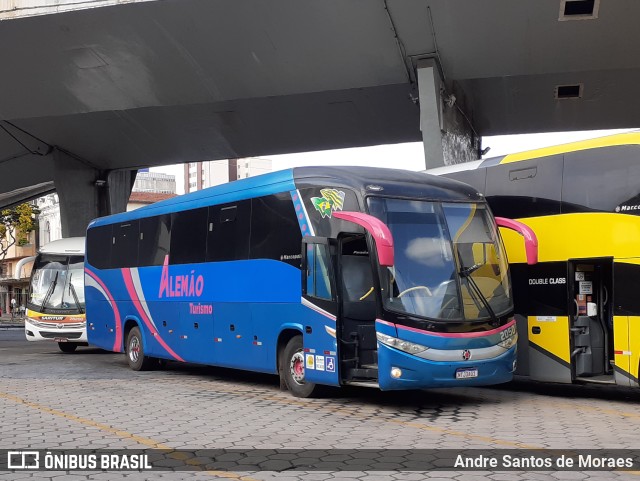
[(578, 309)]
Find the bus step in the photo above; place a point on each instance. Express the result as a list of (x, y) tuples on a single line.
[(363, 373), (363, 384), (602, 379), (351, 359)]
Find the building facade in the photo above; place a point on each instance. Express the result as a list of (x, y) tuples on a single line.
[(14, 284), (200, 175), (154, 182)]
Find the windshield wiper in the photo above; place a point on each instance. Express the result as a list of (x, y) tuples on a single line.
[(467, 271), (474, 290), (50, 291), (75, 295)]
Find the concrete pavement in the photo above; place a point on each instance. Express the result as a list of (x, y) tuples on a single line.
[(91, 400)]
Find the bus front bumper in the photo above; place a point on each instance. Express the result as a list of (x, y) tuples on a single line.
[(54, 334), (399, 370)]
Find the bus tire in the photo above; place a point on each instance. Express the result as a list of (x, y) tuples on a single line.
[(67, 346), (292, 369), (135, 352)]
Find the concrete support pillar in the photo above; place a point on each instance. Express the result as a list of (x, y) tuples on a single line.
[(447, 135), (119, 185), (86, 193)]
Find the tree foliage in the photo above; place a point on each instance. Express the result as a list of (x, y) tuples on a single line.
[(15, 226)]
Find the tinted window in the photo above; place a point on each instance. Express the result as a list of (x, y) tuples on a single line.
[(99, 241), (188, 236), (275, 232), (229, 228), (155, 237), (124, 252), (318, 283)]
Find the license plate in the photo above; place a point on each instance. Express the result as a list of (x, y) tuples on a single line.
[(467, 373), (60, 339)]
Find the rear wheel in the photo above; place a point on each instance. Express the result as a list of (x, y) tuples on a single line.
[(135, 352), (67, 346), (292, 369)]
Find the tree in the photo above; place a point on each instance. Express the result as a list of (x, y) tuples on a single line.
[(15, 226)]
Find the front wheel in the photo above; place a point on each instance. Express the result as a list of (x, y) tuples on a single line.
[(67, 346), (292, 369), (135, 352)]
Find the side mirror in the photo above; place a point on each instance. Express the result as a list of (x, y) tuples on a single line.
[(378, 230), (530, 239)]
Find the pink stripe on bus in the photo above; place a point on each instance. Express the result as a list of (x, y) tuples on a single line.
[(118, 341), (126, 275), (458, 334)]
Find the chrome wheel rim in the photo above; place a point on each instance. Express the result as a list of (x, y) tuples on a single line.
[(134, 349)]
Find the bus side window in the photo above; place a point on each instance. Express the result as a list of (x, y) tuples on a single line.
[(99, 242), (124, 252), (188, 236), (155, 237), (318, 282), (228, 232)]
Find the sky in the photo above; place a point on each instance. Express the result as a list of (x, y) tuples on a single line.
[(409, 156)]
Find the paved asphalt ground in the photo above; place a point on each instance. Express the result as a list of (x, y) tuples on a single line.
[(91, 400)]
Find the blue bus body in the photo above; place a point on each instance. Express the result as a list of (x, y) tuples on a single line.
[(233, 275)]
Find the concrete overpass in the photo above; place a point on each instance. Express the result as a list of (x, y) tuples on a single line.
[(88, 95)]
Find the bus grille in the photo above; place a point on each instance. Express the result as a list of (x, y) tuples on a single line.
[(65, 335), (66, 325)]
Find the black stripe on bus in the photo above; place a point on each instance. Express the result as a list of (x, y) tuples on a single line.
[(626, 374), (553, 357), (532, 298), (521, 207)]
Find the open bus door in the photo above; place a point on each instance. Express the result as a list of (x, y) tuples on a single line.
[(358, 345), (338, 279), (591, 319)]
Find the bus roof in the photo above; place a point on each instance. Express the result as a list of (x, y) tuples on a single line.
[(259, 185), (70, 245), (628, 138), (395, 182)]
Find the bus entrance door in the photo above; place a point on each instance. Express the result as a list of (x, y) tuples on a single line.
[(320, 343), (591, 326), (356, 322)]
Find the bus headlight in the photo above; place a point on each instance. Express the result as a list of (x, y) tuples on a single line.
[(402, 345)]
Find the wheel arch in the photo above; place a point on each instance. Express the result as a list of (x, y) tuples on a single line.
[(288, 332), (129, 323)]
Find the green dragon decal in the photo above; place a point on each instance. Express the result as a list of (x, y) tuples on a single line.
[(330, 201)]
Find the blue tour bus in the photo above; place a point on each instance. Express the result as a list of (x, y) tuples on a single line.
[(325, 276)]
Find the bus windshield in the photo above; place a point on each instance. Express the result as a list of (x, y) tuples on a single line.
[(57, 282), (449, 260)]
